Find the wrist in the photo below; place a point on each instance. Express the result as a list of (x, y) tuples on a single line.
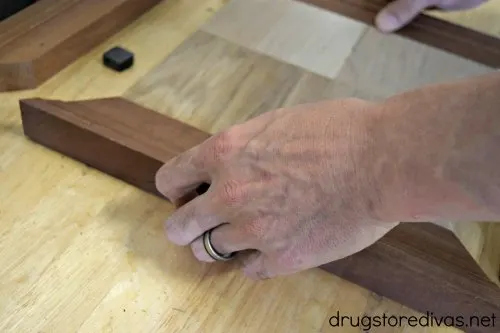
[(429, 167)]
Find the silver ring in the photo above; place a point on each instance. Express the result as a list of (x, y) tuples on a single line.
[(210, 248)]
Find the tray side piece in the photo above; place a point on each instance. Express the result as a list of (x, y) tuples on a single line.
[(422, 266), (51, 34), (112, 135), (431, 31)]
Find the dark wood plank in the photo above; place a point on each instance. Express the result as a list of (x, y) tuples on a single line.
[(31, 18), (112, 135), (426, 268), (431, 31), (422, 266), (51, 34)]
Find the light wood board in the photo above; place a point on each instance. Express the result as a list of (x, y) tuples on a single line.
[(82, 252)]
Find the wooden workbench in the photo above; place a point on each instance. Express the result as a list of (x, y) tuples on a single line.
[(82, 252)]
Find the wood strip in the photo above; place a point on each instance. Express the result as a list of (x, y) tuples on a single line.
[(422, 266), (112, 135), (426, 268), (32, 17), (53, 33), (431, 31)]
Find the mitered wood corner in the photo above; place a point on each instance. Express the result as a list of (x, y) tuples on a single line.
[(47, 36), (461, 41), (422, 266)]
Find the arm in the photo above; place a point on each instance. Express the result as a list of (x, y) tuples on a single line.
[(302, 186), (441, 146)]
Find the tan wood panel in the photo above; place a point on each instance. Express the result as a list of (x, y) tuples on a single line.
[(391, 64), (84, 253), (300, 34), (212, 84)]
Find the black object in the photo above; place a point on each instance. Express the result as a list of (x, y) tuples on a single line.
[(11, 7), (118, 59)]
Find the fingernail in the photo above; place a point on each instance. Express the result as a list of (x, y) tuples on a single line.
[(386, 22)]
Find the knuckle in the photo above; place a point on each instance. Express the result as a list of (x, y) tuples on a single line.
[(255, 229), (221, 147), (232, 192)]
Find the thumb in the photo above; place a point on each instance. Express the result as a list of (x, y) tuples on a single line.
[(399, 13)]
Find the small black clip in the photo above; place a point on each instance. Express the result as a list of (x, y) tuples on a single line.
[(118, 59)]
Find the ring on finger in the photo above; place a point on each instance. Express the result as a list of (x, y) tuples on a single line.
[(212, 252)]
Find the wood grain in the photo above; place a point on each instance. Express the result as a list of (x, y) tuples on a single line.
[(212, 84), (50, 34), (306, 36), (386, 65), (115, 136), (423, 266), (438, 33), (83, 252)]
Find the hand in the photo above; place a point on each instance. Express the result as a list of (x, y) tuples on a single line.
[(399, 13), (297, 187)]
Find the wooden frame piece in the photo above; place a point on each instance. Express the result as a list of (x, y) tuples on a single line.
[(425, 29), (45, 37), (422, 266)]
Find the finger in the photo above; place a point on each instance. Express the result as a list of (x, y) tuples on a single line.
[(225, 239), (182, 174), (399, 13), (178, 178), (193, 219)]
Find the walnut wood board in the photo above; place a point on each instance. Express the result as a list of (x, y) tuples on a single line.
[(112, 135), (44, 38)]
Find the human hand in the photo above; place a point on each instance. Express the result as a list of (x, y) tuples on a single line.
[(399, 13), (297, 187)]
